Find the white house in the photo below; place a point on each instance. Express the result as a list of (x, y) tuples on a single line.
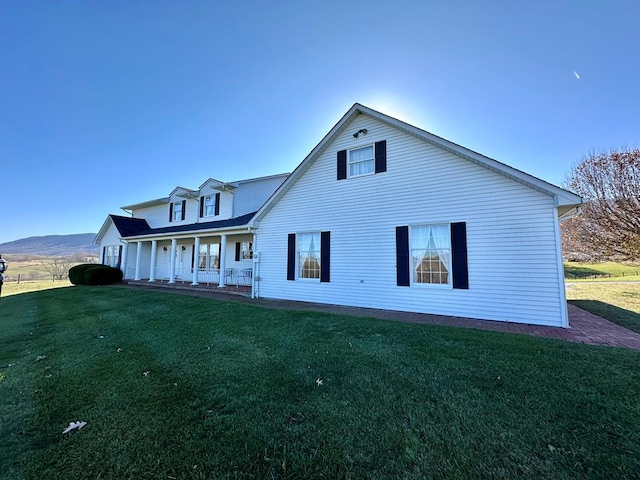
[(385, 215), (191, 235)]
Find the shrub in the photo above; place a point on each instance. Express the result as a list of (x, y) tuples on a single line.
[(76, 273), (94, 274), (102, 275)]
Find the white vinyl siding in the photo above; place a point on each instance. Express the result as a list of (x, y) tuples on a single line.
[(511, 240), (251, 195)]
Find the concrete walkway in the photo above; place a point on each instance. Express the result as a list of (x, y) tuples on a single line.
[(585, 327)]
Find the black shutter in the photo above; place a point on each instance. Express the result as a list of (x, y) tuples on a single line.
[(193, 256), (217, 207), (119, 256), (201, 207), (171, 212), (459, 255), (184, 209), (104, 255), (325, 256), (291, 257), (402, 257), (381, 156), (237, 251), (342, 164)]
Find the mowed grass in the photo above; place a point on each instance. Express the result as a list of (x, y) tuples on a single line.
[(603, 271), (619, 302), (241, 392), (13, 288)]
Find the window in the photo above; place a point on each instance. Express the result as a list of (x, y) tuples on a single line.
[(208, 257), (111, 255), (308, 255), (246, 251), (209, 205), (177, 211), (431, 254), (361, 161)]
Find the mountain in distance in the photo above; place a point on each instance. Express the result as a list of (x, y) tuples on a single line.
[(52, 245)]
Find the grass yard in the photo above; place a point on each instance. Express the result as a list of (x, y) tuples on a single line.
[(604, 271), (618, 302), (13, 288), (181, 387)]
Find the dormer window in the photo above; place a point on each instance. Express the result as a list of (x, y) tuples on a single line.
[(210, 205), (177, 211)]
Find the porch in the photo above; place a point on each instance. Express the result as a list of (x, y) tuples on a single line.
[(240, 290), (234, 277), (215, 260)]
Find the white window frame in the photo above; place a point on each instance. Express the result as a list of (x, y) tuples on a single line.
[(210, 252), (447, 261), (209, 207), (112, 255), (177, 208), (246, 250), (371, 160), (299, 262)]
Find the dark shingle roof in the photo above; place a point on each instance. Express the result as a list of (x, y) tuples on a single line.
[(231, 222), (128, 226)]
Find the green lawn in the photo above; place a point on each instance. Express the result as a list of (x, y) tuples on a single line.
[(603, 271), (236, 391), (13, 288), (619, 302)]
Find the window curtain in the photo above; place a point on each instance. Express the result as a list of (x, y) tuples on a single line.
[(308, 254), (361, 161), (428, 240)]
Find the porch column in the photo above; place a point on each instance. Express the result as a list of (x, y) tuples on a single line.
[(172, 268), (223, 260), (196, 262), (123, 260), (154, 260), (138, 260)]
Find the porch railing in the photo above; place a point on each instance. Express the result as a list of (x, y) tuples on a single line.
[(232, 276)]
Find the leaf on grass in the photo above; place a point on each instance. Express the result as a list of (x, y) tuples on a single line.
[(73, 426), (146, 374), (40, 357)]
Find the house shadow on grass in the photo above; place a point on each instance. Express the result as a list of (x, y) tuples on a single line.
[(578, 272), (624, 318)]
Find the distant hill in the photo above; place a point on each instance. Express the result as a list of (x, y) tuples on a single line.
[(52, 245)]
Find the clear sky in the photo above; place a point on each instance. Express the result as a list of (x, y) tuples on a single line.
[(109, 103)]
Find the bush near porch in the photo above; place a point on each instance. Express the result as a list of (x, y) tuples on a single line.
[(175, 386)]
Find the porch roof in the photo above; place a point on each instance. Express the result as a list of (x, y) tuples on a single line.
[(192, 227), (128, 226)]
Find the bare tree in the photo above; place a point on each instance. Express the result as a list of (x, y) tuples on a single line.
[(58, 267), (610, 223)]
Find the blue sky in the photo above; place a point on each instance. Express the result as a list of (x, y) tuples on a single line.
[(104, 104)]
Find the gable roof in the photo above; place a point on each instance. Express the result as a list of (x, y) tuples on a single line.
[(565, 200)]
